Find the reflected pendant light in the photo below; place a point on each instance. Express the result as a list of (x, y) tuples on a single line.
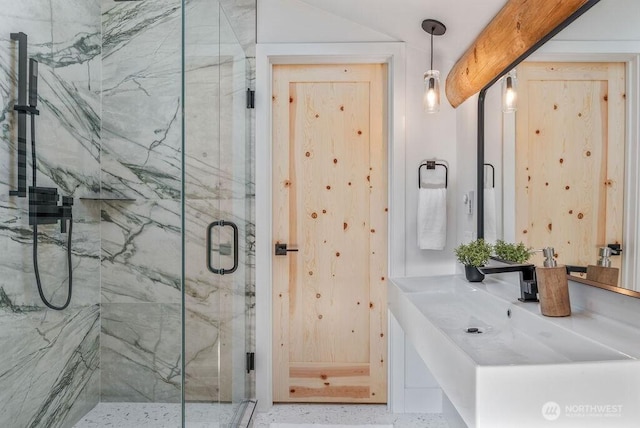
[(431, 97), (509, 92)]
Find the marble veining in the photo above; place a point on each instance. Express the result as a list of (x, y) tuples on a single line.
[(68, 127), (242, 16), (16, 268), (218, 169), (141, 126), (49, 364), (141, 251), (141, 240), (111, 125), (51, 378), (141, 352)]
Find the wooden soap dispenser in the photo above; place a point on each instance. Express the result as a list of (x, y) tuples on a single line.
[(553, 287), (603, 272)]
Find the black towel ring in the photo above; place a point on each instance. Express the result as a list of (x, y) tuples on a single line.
[(432, 165)]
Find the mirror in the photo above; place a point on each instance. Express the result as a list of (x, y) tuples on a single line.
[(606, 33)]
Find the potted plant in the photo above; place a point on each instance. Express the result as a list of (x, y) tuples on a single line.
[(472, 255), (514, 253)]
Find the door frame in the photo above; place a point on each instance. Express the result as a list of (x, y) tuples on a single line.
[(590, 51), (392, 54)]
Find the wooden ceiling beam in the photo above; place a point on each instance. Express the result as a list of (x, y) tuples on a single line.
[(519, 26)]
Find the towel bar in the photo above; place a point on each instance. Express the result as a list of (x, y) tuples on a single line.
[(493, 174), (432, 165)]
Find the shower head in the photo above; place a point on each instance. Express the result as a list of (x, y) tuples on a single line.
[(33, 83)]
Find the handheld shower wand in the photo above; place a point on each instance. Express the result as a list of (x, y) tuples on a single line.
[(43, 201), (33, 83)]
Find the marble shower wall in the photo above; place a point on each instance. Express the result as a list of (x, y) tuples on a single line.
[(49, 360), (141, 239), (110, 126)]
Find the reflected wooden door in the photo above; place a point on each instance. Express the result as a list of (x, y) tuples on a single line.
[(330, 202), (570, 142)]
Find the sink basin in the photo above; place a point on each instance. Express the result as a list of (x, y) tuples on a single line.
[(518, 361)]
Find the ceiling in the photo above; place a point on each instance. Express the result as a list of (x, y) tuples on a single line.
[(402, 19)]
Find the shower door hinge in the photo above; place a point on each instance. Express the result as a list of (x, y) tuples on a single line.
[(251, 98), (251, 361)]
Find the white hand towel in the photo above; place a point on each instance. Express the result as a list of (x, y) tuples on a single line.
[(433, 178), (490, 222), (432, 219)]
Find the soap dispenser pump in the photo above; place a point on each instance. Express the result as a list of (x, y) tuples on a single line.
[(603, 272), (553, 287), (549, 260)]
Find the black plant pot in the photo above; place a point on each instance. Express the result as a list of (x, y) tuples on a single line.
[(473, 274)]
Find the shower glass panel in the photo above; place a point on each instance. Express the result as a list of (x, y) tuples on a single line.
[(217, 216)]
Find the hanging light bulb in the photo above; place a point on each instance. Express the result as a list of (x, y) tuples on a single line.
[(431, 97), (509, 92)]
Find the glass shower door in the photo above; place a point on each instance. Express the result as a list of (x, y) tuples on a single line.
[(218, 219)]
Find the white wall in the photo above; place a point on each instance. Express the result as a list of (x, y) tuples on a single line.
[(291, 21), (427, 136), (449, 135)]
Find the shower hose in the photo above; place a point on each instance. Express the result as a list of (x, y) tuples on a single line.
[(35, 234)]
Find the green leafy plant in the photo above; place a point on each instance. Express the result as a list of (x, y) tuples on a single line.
[(475, 253), (517, 253)]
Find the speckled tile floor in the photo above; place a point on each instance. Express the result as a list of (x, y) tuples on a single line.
[(132, 415), (155, 415), (353, 414), (151, 415)]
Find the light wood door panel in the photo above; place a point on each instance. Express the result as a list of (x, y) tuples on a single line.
[(570, 142), (330, 201)]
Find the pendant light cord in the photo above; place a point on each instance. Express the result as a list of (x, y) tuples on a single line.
[(432, 31)]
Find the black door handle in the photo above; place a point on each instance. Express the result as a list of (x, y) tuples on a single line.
[(223, 223), (282, 250)]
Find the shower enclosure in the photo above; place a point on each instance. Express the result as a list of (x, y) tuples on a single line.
[(145, 124), (218, 198)]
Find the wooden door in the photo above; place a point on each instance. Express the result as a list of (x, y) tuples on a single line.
[(570, 142), (330, 202)]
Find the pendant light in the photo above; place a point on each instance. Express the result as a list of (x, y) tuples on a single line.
[(431, 97), (509, 92)]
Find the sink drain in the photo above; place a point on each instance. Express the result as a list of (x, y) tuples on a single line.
[(474, 330)]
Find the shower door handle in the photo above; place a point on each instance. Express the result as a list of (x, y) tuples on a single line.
[(222, 223)]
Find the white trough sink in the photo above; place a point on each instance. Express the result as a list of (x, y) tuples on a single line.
[(523, 369)]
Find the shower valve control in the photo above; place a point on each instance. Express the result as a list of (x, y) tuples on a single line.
[(44, 208)]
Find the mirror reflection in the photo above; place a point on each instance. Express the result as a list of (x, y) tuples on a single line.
[(565, 160)]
